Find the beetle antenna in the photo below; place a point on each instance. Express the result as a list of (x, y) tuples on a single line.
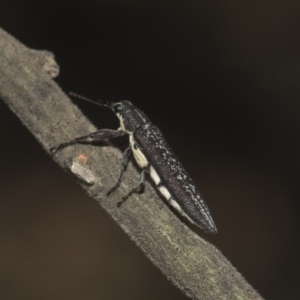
[(97, 102)]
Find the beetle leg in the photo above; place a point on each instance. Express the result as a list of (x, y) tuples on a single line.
[(99, 135), (139, 188), (125, 160)]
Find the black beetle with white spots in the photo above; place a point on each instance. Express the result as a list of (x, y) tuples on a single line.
[(154, 156)]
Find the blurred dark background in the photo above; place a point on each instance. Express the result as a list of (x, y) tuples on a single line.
[(221, 80)]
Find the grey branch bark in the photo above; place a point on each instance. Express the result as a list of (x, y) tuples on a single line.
[(196, 267)]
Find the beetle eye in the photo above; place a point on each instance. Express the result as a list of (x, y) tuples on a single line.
[(117, 107)]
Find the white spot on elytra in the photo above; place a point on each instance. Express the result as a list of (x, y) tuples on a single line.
[(164, 192), (137, 153), (175, 205), (178, 208), (154, 176)]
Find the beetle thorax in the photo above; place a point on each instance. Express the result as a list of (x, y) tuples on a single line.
[(131, 118)]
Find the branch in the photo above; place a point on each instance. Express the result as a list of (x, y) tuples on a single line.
[(193, 265)]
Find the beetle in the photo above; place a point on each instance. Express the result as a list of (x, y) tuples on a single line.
[(155, 157)]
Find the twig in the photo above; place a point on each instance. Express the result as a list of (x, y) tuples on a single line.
[(189, 262)]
